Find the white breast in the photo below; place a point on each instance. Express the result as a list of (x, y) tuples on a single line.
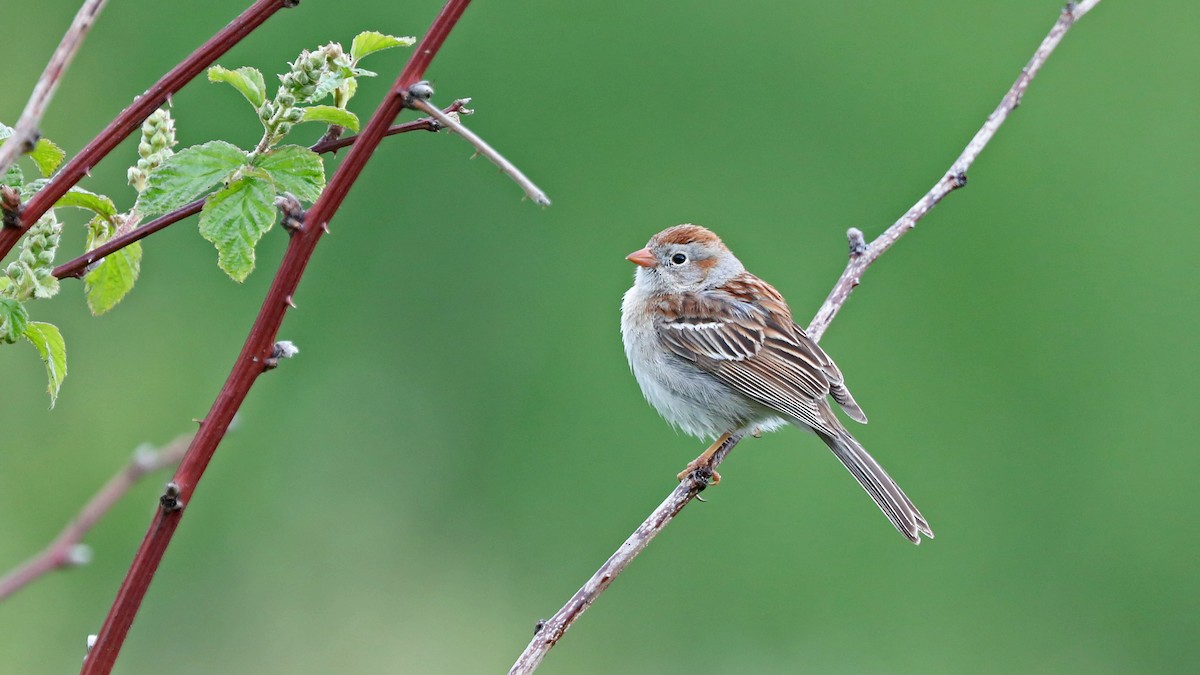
[(684, 395)]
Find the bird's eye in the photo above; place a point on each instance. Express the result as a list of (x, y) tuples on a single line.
[(679, 258)]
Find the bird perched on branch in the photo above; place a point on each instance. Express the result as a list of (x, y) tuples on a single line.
[(716, 352)]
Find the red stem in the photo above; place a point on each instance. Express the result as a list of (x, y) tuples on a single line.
[(79, 266), (257, 349), (131, 117)]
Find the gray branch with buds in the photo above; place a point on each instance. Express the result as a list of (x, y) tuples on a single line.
[(547, 633)]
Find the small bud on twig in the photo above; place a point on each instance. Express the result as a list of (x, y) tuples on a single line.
[(293, 214)]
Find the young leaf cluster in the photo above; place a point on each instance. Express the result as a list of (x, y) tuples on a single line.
[(240, 187)]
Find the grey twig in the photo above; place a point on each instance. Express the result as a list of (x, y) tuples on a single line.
[(550, 631), (481, 146), (25, 132), (954, 178), (67, 549)]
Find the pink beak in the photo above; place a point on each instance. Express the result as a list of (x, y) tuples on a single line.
[(642, 257)]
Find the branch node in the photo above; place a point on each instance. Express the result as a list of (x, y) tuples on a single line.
[(418, 91), (537, 627), (284, 349), (144, 457), (289, 4), (30, 142), (170, 501), (293, 213), (78, 555), (958, 179), (10, 204), (858, 243)]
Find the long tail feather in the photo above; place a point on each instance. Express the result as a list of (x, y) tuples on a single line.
[(891, 499)]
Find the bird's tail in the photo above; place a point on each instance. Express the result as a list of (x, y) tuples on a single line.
[(891, 499)]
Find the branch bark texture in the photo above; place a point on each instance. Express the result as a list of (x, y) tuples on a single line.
[(862, 255)]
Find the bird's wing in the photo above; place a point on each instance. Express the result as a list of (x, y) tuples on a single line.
[(744, 335)]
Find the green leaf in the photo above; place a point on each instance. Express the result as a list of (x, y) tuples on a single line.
[(247, 80), (13, 320), (294, 169), (80, 198), (110, 280), (14, 176), (235, 218), (188, 174), (369, 42), (49, 343), (328, 81), (331, 115), (47, 156)]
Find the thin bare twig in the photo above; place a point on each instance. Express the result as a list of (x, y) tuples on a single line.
[(25, 131), (67, 549), (861, 256), (481, 146), (79, 266), (549, 632)]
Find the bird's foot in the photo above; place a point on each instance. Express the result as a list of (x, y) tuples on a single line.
[(702, 467), (701, 471)]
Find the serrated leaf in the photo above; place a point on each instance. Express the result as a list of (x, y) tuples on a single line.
[(328, 81), (369, 42), (31, 188), (247, 80), (296, 170), (47, 156), (235, 218), (14, 177), (50, 345), (111, 279), (13, 320), (331, 115), (188, 174), (83, 199)]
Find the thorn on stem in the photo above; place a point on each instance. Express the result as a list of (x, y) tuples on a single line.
[(288, 301), (170, 501), (289, 4)]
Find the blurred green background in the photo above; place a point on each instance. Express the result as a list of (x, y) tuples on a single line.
[(460, 444)]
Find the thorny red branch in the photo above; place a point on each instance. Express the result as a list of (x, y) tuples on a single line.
[(136, 113), (79, 266), (257, 349)]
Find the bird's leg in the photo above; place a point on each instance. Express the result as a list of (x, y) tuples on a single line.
[(703, 463)]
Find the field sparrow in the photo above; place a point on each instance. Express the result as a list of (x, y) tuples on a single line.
[(716, 352)]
